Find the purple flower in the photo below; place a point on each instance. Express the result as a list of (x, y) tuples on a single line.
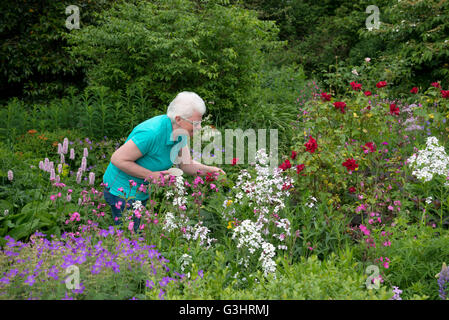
[(150, 284), (67, 297), (201, 273), (396, 292), (443, 281), (80, 290), (10, 175), (30, 280), (4, 280)]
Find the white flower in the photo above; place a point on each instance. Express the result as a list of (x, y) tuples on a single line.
[(354, 71), (429, 162), (137, 205)]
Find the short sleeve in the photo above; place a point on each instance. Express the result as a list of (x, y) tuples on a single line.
[(144, 140)]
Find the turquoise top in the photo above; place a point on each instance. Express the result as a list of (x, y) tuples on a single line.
[(154, 139)]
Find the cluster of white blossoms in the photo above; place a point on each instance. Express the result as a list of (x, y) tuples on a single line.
[(181, 224), (268, 264), (200, 232), (179, 193), (267, 192), (429, 162), (248, 235), (312, 202)]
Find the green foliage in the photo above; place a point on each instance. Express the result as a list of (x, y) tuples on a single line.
[(335, 278), (173, 46), (35, 61), (415, 35), (416, 256)]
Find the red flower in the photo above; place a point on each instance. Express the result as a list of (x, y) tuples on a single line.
[(445, 94), (294, 154), (234, 161), (299, 168), (350, 164), (352, 190), (311, 145), (414, 90), (210, 177), (286, 187), (356, 86), (393, 109), (367, 93), (340, 105), (369, 146), (286, 165), (381, 84), (435, 85), (325, 96)]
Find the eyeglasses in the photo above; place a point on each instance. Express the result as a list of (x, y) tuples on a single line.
[(194, 123)]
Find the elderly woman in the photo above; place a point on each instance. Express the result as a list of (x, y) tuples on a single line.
[(151, 149)]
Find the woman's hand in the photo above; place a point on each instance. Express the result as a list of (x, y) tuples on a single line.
[(216, 169), (155, 176)]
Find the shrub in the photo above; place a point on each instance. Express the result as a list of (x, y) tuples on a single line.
[(172, 46)]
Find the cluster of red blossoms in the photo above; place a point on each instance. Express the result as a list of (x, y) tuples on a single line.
[(356, 86), (444, 93), (340, 105), (350, 164), (311, 147), (394, 110)]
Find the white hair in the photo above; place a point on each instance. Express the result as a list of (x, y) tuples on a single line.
[(184, 104)]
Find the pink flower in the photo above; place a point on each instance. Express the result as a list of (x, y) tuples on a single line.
[(75, 216), (53, 197), (131, 226), (120, 189), (118, 205), (387, 243), (390, 207), (364, 230)]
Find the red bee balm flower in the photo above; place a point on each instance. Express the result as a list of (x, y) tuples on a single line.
[(367, 93), (435, 85), (299, 168), (352, 190), (286, 165), (234, 161), (393, 109), (311, 145), (414, 90), (294, 154), (369, 147), (356, 86), (445, 94), (340, 105), (381, 84), (325, 96), (350, 164)]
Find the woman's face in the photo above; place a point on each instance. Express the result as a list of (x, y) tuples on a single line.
[(190, 124)]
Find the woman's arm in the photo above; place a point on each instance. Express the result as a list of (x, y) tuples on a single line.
[(191, 167), (125, 158)]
